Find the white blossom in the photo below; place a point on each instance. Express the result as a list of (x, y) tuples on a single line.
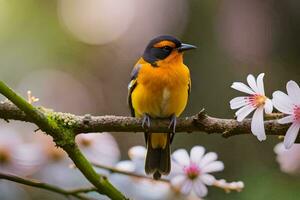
[(288, 159), (254, 101), (289, 104), (16, 155), (192, 173), (99, 148), (140, 188)]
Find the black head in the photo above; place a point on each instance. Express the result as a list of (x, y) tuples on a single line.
[(161, 47)]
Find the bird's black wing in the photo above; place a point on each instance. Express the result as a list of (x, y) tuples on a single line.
[(189, 87), (131, 86)]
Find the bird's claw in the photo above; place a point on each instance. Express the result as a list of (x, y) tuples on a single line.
[(146, 121), (173, 123)]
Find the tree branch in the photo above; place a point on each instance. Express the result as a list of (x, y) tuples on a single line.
[(64, 137), (45, 186), (199, 123)]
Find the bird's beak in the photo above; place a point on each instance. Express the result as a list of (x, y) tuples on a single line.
[(186, 47)]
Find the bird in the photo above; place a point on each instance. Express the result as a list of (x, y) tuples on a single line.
[(159, 88)]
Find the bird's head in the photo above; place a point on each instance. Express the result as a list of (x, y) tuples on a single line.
[(165, 49)]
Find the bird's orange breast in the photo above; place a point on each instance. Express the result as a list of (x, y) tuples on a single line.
[(161, 91)]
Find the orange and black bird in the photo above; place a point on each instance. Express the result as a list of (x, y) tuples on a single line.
[(159, 88)]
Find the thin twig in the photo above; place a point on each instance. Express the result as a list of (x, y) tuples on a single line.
[(222, 184), (45, 186), (83, 190), (229, 186), (132, 174)]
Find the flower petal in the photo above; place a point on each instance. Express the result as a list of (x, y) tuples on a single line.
[(126, 165), (137, 152), (242, 87), (238, 102), (186, 187), (244, 112), (182, 183), (181, 157), (286, 120), (197, 153), (199, 188), (213, 167), (257, 124), (176, 169), (282, 102), (178, 181), (208, 179), (260, 84), (291, 135), (293, 91), (208, 158), (252, 83), (279, 148), (268, 106), (24, 159)]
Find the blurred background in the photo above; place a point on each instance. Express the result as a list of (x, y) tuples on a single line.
[(76, 56)]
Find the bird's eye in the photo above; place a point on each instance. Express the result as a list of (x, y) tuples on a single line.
[(168, 48), (161, 53)]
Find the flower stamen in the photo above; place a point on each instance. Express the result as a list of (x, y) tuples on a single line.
[(257, 100), (297, 113), (4, 156), (85, 142), (192, 171)]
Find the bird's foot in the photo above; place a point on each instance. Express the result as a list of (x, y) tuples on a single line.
[(146, 121), (173, 123)]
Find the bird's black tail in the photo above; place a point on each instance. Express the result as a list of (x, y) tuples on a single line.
[(158, 159)]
